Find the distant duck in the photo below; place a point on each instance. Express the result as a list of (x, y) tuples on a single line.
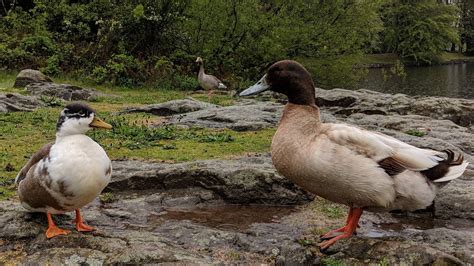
[(71, 172), (345, 164), (208, 82)]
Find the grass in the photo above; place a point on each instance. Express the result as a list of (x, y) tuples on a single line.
[(329, 209), (446, 57), (23, 133), (415, 132), (383, 59), (332, 262), (107, 197)]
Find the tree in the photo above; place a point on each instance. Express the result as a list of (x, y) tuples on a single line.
[(419, 30), (467, 25)]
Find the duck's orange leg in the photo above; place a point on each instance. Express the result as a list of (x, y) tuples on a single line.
[(209, 95), (348, 231), (329, 234), (80, 225), (53, 230)]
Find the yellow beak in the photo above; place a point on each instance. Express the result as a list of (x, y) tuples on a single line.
[(98, 123)]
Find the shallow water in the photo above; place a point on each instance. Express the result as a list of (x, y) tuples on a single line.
[(455, 80), (230, 217)]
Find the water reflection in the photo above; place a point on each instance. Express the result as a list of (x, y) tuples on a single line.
[(455, 80)]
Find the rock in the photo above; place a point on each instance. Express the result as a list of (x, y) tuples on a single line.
[(28, 76), (180, 213), (392, 251), (63, 91), (14, 102), (425, 127), (247, 115), (243, 181), (347, 102), (172, 107), (240, 118)]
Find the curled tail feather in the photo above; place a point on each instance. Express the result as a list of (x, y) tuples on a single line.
[(447, 169)]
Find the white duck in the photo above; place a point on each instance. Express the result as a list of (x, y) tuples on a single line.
[(208, 82), (66, 175), (345, 164)]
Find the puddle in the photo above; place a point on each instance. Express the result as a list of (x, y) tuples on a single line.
[(409, 225), (229, 217), (421, 223)]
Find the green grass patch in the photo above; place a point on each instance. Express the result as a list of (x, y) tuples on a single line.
[(378, 59), (415, 132), (24, 133), (7, 79), (107, 197), (447, 56), (328, 209), (332, 262)]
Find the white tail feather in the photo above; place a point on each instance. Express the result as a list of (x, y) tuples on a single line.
[(454, 172), (221, 86)]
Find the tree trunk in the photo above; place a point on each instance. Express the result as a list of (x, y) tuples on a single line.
[(469, 46)]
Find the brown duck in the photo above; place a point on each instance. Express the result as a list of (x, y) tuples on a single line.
[(345, 164)]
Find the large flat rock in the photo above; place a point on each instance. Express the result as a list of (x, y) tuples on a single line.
[(248, 180), (172, 107), (28, 76), (346, 102), (63, 91), (14, 102), (187, 212)]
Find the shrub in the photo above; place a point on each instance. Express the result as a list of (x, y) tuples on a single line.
[(53, 67), (38, 45), (121, 69)]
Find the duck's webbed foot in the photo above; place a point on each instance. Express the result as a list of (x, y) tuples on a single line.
[(348, 230), (80, 225), (53, 230)]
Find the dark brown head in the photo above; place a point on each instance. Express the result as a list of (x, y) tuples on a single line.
[(287, 77)]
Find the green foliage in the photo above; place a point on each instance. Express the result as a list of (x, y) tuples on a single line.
[(334, 71), (415, 132), (52, 101), (53, 67), (107, 197), (333, 211), (139, 135), (332, 262), (305, 242), (38, 45), (133, 42), (419, 30), (123, 70)]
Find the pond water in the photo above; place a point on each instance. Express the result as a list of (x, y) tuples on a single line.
[(455, 80)]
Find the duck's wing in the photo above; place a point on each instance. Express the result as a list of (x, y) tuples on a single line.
[(395, 156), (217, 82), (38, 156)]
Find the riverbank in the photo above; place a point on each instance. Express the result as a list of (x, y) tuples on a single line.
[(388, 60), (193, 183)]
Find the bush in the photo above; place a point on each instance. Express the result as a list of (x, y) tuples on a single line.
[(53, 67), (185, 83), (38, 45), (99, 74), (122, 70)]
